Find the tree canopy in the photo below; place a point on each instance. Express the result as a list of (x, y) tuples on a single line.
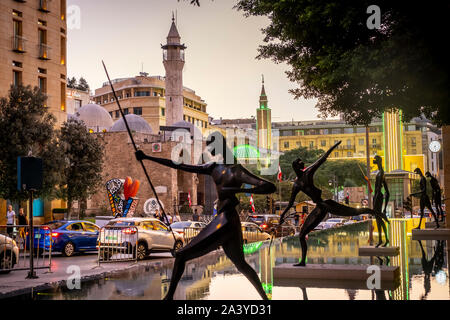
[(356, 71), (26, 128)]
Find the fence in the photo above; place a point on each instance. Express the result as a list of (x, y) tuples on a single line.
[(15, 253), (120, 243)]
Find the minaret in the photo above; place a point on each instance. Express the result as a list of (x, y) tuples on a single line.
[(264, 121), (173, 60)]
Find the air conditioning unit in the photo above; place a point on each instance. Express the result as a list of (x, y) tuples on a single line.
[(156, 147)]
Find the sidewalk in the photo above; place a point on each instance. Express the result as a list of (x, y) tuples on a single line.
[(15, 282)]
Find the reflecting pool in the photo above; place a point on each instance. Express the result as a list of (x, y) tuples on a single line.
[(423, 271)]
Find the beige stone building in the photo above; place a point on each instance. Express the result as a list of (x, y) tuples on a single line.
[(33, 49), (75, 99)]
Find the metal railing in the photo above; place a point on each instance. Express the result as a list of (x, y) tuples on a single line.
[(119, 243), (15, 253), (44, 51), (189, 233), (18, 43)]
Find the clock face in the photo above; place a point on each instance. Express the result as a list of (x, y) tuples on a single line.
[(435, 146)]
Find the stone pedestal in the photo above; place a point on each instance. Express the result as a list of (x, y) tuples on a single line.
[(333, 272), (372, 251), (431, 234)]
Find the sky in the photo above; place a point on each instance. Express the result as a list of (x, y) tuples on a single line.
[(221, 64)]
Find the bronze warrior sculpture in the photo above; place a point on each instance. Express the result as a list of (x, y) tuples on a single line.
[(436, 195), (225, 229), (380, 182), (424, 199), (305, 182)]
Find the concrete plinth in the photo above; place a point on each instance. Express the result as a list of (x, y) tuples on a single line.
[(372, 251), (333, 272), (431, 234), (334, 283)]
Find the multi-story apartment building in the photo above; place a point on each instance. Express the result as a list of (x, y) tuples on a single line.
[(33, 49), (144, 95), (322, 134)]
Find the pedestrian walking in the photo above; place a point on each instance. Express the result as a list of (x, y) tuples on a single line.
[(10, 221), (195, 215), (22, 221)]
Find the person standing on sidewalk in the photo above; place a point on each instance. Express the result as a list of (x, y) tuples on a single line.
[(22, 221), (10, 220)]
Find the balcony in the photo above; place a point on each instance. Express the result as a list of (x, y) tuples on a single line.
[(346, 147), (44, 5), (19, 44), (44, 51)]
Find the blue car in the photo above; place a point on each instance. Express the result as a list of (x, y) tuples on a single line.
[(68, 237)]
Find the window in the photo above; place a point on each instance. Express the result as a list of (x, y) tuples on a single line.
[(349, 154), (286, 144), (18, 41), (62, 8), (42, 22), (348, 130), (43, 71), (360, 129), (126, 111), (17, 13), (413, 141), (43, 48), (137, 110), (17, 77), (42, 84), (142, 93), (17, 64), (336, 154), (117, 113), (43, 5), (111, 114), (361, 142), (63, 51), (77, 104), (336, 131), (77, 226), (155, 93), (298, 144), (63, 96), (89, 227), (349, 142)]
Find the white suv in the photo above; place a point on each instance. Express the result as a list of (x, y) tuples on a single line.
[(150, 235), (9, 253)]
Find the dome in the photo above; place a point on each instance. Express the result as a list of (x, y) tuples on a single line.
[(95, 117), (193, 129), (135, 122)]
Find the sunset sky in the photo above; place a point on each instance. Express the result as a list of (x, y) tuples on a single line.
[(220, 56)]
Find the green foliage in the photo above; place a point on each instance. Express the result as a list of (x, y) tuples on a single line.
[(26, 126), (356, 71), (83, 156), (80, 84)]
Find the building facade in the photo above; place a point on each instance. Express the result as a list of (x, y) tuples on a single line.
[(75, 99), (33, 49)]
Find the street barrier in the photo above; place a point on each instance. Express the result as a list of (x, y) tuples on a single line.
[(15, 253), (118, 243), (189, 233)]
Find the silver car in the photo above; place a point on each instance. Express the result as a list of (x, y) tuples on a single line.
[(9, 253), (147, 235), (251, 232)]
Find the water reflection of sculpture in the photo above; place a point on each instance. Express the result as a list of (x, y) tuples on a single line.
[(435, 264), (305, 182), (424, 199), (225, 229)]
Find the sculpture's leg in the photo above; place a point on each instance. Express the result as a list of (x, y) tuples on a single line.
[(305, 295), (209, 239), (383, 226), (233, 249), (422, 206), (380, 231), (428, 205), (313, 219)]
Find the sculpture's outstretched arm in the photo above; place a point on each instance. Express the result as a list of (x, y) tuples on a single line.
[(294, 192), (261, 186), (312, 168), (386, 195), (200, 169)]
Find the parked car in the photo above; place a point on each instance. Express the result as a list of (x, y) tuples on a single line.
[(147, 234), (337, 221), (9, 253), (268, 221), (320, 226), (68, 237), (251, 232), (179, 226)]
